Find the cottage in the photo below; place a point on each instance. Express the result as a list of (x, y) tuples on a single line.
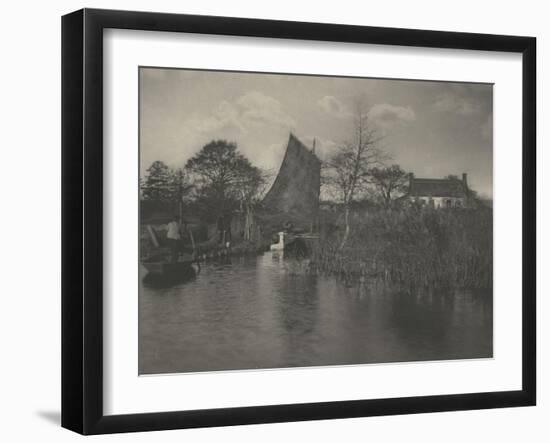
[(439, 193)]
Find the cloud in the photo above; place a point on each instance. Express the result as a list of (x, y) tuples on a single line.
[(385, 115), (249, 111), (258, 108), (225, 115), (456, 101), (331, 105), (251, 119), (324, 147)]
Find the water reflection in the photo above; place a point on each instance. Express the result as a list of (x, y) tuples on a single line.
[(268, 312)]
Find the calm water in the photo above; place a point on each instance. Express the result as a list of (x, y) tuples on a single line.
[(265, 312)]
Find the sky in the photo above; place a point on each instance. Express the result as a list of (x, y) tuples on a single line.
[(432, 129)]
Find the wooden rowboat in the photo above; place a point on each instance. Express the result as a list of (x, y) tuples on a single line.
[(161, 273)]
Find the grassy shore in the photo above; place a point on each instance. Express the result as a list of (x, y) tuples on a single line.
[(412, 248)]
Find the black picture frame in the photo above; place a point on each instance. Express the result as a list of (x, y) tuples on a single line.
[(82, 218)]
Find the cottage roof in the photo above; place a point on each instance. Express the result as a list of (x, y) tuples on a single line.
[(437, 187)]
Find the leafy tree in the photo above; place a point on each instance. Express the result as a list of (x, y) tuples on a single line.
[(163, 183), (389, 182), (158, 183), (180, 185), (223, 176)]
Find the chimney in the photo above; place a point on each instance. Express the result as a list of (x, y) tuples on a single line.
[(313, 149), (465, 179), (411, 178)]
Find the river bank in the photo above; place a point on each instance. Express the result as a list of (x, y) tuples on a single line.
[(412, 248)]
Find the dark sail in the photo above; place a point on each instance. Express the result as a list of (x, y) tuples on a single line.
[(295, 191)]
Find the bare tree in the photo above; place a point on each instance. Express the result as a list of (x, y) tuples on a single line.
[(347, 172), (390, 182), (251, 189)]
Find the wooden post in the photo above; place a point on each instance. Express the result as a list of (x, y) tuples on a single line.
[(153, 236), (192, 243), (180, 203)]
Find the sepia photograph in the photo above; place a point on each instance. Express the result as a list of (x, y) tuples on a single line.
[(290, 220)]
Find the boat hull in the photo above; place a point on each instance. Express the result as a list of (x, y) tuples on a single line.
[(167, 274)]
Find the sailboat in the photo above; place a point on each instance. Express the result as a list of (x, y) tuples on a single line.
[(160, 269)]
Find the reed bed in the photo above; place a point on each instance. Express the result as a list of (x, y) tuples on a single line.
[(412, 248)]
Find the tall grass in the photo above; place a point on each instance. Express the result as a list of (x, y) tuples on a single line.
[(412, 248)]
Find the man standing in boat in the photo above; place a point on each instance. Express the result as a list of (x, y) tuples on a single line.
[(173, 238)]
